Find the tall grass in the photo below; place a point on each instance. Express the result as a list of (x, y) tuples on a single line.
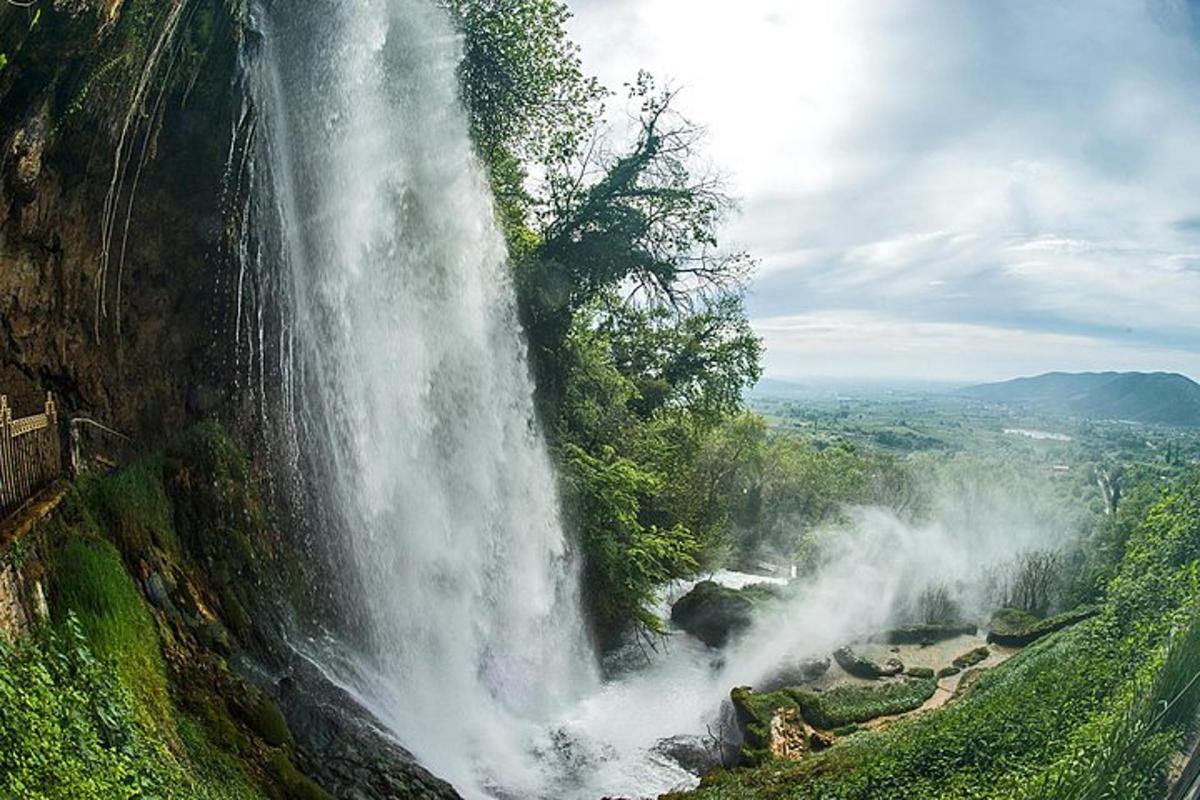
[(1128, 756)]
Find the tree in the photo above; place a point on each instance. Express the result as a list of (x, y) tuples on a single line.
[(524, 89), (642, 222)]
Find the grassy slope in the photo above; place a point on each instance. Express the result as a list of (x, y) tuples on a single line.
[(1056, 705), (89, 706)]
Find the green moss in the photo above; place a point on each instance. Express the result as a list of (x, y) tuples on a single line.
[(919, 672), (90, 582), (265, 719), (924, 634), (1011, 636), (755, 710), (972, 657), (947, 672), (296, 785), (1011, 620), (845, 705), (713, 613)]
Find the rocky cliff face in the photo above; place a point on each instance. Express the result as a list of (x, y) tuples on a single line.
[(116, 121)]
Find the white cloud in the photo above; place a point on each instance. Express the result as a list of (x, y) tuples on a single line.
[(840, 343), (988, 163)]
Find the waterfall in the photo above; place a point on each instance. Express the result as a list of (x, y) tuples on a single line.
[(407, 374)]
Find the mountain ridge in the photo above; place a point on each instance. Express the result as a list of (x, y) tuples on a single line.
[(1165, 398)]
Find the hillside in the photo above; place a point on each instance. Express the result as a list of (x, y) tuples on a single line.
[(1156, 397)]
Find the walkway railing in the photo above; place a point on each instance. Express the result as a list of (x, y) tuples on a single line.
[(30, 454)]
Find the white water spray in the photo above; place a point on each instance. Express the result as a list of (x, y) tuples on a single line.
[(406, 332)]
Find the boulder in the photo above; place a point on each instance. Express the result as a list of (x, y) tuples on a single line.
[(696, 754), (925, 634), (714, 613), (793, 674), (861, 667)]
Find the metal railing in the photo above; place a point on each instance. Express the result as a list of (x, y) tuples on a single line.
[(30, 454)]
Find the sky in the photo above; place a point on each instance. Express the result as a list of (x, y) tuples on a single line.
[(943, 190)]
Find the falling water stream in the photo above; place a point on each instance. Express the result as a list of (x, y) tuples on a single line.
[(404, 330)]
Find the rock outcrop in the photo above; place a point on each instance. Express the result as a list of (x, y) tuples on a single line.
[(112, 174)]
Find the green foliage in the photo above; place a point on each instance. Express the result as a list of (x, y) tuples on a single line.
[(927, 633), (845, 705), (132, 508), (1023, 635), (524, 87), (627, 559), (296, 785), (755, 710), (713, 613), (69, 729)]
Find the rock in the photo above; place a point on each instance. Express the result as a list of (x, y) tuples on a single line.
[(891, 667), (861, 667), (925, 634), (696, 754), (343, 747), (819, 740), (789, 735), (803, 671), (713, 613), (24, 156), (972, 657)]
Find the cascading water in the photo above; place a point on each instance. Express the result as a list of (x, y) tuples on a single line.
[(402, 334)]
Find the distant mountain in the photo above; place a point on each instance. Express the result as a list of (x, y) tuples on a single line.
[(1165, 398)]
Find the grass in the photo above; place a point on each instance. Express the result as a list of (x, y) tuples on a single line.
[(91, 583), (132, 508)]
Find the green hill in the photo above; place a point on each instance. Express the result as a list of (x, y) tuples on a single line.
[(1158, 397)]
